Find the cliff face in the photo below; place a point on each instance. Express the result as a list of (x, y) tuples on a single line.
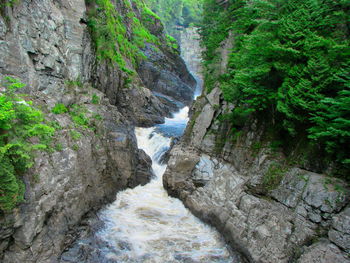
[(47, 45), (263, 204), (191, 52)]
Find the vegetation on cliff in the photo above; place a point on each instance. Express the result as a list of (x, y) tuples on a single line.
[(113, 39), (290, 61), (175, 13), (22, 132)]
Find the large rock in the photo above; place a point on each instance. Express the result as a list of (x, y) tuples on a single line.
[(82, 175), (165, 73), (340, 232), (269, 228), (47, 45), (266, 210), (191, 52), (323, 252)]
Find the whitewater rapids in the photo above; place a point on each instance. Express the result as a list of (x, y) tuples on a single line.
[(145, 225)]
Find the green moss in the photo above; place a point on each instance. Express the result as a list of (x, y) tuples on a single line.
[(75, 147), (36, 178), (70, 84), (110, 35), (97, 117), (172, 42), (10, 3)]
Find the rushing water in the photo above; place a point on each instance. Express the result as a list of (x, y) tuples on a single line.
[(144, 224)]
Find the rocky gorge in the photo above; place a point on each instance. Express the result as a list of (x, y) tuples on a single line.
[(48, 46), (267, 207)]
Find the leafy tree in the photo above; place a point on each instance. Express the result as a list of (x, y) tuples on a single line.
[(176, 12), (290, 59), (19, 122)]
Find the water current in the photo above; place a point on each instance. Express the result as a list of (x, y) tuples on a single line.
[(144, 224)]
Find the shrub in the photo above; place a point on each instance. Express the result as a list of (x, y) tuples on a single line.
[(78, 115), (59, 108), (95, 99), (75, 135), (273, 176), (19, 121)]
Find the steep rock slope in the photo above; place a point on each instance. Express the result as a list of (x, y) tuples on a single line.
[(47, 45), (266, 207), (191, 53)]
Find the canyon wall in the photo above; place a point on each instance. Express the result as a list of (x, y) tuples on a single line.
[(47, 45), (265, 206)]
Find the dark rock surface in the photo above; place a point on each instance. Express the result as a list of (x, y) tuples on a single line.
[(46, 44), (166, 73)]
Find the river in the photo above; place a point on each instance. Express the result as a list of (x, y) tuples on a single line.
[(144, 224)]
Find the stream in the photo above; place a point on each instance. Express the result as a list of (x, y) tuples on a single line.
[(144, 224)]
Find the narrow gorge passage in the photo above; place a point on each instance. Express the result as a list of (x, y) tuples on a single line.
[(144, 224)]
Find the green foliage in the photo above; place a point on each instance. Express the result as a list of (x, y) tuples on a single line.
[(59, 108), (95, 99), (176, 12), (148, 13), (70, 84), (58, 147), (76, 147), (8, 3), (78, 115), (20, 122), (172, 42), (75, 135), (97, 117), (290, 61), (273, 176), (111, 37)]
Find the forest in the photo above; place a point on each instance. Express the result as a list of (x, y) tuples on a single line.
[(175, 13), (290, 63)]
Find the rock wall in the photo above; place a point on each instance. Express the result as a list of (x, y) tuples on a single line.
[(264, 205), (46, 44), (82, 173), (191, 52)]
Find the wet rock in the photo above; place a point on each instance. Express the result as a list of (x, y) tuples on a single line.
[(144, 173), (166, 73)]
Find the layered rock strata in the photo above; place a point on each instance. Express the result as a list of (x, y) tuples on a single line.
[(46, 44)]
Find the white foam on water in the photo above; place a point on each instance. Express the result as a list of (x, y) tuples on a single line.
[(145, 225)]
